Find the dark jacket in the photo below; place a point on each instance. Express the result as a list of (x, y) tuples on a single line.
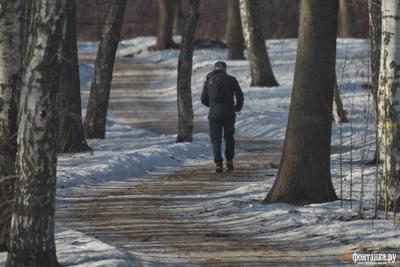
[(219, 92)]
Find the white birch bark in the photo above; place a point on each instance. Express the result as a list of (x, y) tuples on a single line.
[(389, 105), (32, 223)]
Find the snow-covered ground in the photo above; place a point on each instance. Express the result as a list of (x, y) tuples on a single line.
[(265, 111), (130, 153)]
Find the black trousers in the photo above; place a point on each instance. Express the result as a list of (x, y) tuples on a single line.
[(227, 127)]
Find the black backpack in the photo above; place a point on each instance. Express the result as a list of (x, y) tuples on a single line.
[(219, 88)]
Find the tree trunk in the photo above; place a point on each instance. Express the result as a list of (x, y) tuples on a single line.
[(260, 66), (234, 32), (184, 90), (11, 12), (32, 224), (338, 112), (70, 135), (178, 18), (389, 106), (304, 174), (95, 121), (346, 21), (165, 25), (375, 29)]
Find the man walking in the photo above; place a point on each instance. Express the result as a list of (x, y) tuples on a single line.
[(219, 92)]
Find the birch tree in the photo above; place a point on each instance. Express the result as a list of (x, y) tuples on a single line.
[(185, 62), (11, 12), (304, 173), (32, 224), (260, 66), (70, 135), (96, 116), (234, 31), (389, 106)]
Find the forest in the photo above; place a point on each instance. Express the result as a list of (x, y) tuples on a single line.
[(199, 133)]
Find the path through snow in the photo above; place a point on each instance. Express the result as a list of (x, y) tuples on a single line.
[(192, 216)]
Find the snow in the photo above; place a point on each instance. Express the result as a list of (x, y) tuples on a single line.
[(129, 153), (265, 111), (79, 250)]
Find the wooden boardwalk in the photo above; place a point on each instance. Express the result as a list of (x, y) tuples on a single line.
[(190, 216)]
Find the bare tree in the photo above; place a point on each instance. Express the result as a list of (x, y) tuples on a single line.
[(346, 18), (389, 107), (260, 66), (70, 135), (338, 112), (234, 32), (95, 121), (184, 90), (178, 18), (304, 173), (165, 25), (11, 12), (375, 30), (32, 224)]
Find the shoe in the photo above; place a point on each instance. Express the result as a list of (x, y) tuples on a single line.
[(229, 165), (218, 167)]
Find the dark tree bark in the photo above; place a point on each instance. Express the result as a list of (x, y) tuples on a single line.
[(178, 18), (283, 14), (165, 25), (304, 174), (184, 90), (234, 32), (95, 121), (375, 29), (32, 224), (346, 18), (11, 12), (71, 137), (260, 66), (338, 112)]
